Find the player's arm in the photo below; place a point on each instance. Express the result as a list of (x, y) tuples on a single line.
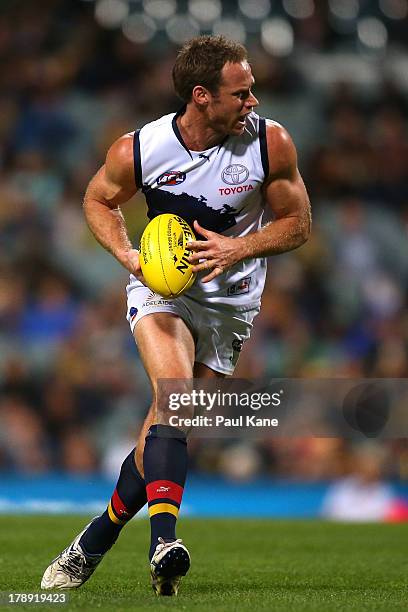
[(113, 185), (285, 195)]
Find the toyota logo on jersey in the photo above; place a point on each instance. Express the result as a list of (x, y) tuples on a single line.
[(235, 174)]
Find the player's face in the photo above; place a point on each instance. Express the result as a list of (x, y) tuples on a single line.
[(228, 108)]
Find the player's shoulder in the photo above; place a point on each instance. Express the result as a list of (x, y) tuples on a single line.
[(119, 160), (277, 135), (121, 150), (158, 124), (281, 149)]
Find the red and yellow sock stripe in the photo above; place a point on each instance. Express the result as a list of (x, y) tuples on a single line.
[(118, 512), (164, 496), (163, 507)]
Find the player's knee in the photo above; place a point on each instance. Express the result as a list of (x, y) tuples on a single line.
[(174, 398)]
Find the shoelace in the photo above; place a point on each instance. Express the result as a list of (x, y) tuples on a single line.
[(163, 544), (76, 564)]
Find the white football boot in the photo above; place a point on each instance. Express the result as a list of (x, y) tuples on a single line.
[(71, 568), (170, 562)]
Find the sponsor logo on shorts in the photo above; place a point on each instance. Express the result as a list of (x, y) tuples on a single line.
[(237, 344), (171, 177), (133, 312), (159, 302), (154, 299), (241, 287), (235, 174)]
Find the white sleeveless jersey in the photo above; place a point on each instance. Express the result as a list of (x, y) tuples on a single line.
[(219, 187)]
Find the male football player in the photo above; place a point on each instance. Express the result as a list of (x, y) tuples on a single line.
[(217, 164)]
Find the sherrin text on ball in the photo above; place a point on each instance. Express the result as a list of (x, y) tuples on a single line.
[(164, 255)]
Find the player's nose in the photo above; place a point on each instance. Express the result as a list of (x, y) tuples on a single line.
[(252, 101)]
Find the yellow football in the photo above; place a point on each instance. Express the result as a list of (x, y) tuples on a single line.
[(163, 255)]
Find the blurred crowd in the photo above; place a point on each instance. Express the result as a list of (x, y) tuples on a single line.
[(72, 389)]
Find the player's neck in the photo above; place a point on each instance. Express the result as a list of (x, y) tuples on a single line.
[(196, 133)]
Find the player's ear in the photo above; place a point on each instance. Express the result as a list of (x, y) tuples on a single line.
[(200, 95)]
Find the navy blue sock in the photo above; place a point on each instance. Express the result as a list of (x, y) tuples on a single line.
[(128, 498), (165, 467)]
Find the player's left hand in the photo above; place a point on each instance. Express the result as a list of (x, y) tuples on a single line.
[(216, 254)]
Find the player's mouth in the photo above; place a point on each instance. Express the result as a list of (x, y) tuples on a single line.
[(241, 121)]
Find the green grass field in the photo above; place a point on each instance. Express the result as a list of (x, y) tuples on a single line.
[(246, 565)]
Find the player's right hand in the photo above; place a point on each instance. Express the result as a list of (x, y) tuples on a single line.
[(131, 261)]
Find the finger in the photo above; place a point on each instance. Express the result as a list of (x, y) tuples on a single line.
[(195, 257), (134, 266), (140, 277), (194, 245), (208, 265), (216, 272), (201, 230), (133, 255), (203, 266)]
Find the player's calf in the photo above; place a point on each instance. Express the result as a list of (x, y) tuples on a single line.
[(165, 467), (128, 498)]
